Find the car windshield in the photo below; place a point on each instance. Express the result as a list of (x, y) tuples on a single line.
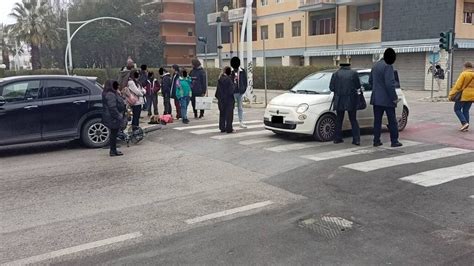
[(314, 84)]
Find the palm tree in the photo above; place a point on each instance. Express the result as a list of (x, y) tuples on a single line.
[(35, 25), (4, 46)]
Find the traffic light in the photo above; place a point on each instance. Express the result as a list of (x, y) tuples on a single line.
[(446, 41)]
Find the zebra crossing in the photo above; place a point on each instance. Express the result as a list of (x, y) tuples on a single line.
[(256, 136)]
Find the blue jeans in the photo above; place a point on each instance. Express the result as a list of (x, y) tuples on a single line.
[(184, 102), (240, 108), (462, 111), (392, 123)]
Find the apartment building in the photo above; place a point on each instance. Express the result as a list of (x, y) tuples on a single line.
[(177, 30), (327, 32)]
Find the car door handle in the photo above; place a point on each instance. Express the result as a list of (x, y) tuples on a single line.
[(31, 107), (79, 102)]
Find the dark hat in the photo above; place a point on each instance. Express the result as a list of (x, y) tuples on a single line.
[(344, 64), (235, 62), (389, 56), (175, 67)]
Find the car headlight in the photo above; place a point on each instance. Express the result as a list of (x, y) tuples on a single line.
[(302, 108)]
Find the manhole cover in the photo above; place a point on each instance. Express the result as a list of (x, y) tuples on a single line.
[(327, 226)]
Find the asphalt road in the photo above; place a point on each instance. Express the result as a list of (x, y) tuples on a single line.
[(190, 195)]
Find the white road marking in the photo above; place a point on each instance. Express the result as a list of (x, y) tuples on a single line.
[(257, 141), (419, 157), (75, 249), (442, 175), (228, 212), (351, 151), (472, 196), (216, 130), (243, 134), (297, 146), (215, 125)]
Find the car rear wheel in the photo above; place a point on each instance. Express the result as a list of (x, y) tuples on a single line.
[(325, 128), (94, 134), (403, 121)]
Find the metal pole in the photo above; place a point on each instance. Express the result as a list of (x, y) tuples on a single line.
[(205, 63), (250, 94), (432, 77), (451, 74), (219, 41), (68, 29), (450, 69), (265, 70)]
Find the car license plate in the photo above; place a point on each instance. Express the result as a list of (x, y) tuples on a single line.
[(277, 119)]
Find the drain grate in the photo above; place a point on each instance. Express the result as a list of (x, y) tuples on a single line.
[(327, 226)]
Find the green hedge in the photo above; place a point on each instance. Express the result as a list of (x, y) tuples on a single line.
[(278, 78)]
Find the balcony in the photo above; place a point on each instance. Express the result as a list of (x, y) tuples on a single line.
[(357, 2), (179, 40), (212, 18), (316, 5), (170, 17), (156, 2), (237, 14)]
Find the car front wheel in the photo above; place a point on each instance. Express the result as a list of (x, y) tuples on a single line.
[(403, 121), (94, 134), (325, 128)]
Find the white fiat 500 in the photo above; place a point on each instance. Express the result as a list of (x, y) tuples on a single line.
[(305, 109)]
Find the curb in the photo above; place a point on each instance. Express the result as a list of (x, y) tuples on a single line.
[(435, 99)]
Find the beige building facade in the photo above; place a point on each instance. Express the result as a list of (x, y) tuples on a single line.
[(327, 32)]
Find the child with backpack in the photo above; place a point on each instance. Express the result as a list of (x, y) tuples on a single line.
[(184, 93)]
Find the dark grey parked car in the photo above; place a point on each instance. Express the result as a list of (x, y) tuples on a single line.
[(49, 108)]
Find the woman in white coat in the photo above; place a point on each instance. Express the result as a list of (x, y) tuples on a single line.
[(139, 91)]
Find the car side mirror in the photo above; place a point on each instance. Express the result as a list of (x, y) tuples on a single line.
[(2, 101)]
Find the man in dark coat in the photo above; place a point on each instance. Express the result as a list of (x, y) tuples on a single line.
[(174, 85), (113, 115), (384, 97), (345, 84), (225, 97), (199, 85), (143, 80), (166, 90)]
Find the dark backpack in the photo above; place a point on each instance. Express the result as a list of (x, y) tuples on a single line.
[(440, 73)]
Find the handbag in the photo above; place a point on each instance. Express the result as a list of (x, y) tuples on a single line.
[(458, 96), (130, 97), (361, 103), (204, 103)]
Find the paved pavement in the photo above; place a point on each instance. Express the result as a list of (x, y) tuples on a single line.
[(190, 195)]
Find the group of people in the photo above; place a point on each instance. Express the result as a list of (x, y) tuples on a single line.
[(139, 90), (348, 97)]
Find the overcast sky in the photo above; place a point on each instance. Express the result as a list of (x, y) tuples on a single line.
[(5, 9)]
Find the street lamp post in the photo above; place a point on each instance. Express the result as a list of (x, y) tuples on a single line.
[(219, 41), (204, 40), (264, 36), (70, 37)]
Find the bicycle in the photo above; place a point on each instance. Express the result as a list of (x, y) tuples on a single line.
[(129, 134)]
